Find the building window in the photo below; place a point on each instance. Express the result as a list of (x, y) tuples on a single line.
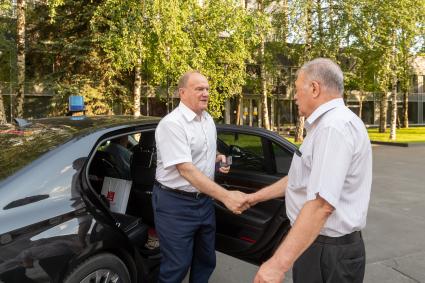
[(413, 112)]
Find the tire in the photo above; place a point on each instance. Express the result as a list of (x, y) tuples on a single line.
[(104, 267)]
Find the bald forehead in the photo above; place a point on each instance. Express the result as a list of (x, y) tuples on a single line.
[(196, 77), (189, 77)]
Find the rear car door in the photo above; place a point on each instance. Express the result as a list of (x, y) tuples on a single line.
[(259, 158)]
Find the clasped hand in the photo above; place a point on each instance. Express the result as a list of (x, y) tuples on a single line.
[(238, 202)]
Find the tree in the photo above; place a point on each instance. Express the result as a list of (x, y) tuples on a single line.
[(20, 47), (265, 119), (394, 109), (409, 36), (119, 30), (223, 41), (379, 28), (5, 9), (176, 36), (80, 67)]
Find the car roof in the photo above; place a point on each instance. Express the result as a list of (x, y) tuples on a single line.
[(81, 123), (21, 145)]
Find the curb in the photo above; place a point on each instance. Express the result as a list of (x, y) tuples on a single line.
[(400, 144)]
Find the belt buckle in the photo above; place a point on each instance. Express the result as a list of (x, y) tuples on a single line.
[(198, 195)]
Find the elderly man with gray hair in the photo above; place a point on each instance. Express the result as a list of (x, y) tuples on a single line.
[(327, 189)]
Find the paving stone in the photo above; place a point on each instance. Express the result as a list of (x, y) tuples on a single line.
[(378, 272)]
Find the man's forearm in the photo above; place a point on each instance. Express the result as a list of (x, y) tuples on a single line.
[(275, 190), (305, 230), (197, 179)]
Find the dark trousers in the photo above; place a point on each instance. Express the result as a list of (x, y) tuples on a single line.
[(186, 231), (332, 260)]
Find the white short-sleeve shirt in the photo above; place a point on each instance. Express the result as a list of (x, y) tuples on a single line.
[(336, 163), (180, 137)]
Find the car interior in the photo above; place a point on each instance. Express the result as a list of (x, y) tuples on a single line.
[(127, 191), (126, 187)]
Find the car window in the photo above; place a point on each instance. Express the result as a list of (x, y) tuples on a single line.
[(112, 158), (246, 151), (283, 159), (115, 156)]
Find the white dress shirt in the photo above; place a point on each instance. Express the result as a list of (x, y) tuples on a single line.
[(180, 137), (335, 163)]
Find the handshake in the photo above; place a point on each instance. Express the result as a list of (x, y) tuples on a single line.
[(237, 202)]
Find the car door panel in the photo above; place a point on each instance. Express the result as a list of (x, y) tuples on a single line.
[(253, 235), (245, 236)]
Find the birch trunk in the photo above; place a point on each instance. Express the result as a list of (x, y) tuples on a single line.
[(406, 110), (137, 89), (2, 112), (20, 46), (394, 109)]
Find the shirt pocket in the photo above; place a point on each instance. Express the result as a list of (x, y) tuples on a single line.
[(300, 170), (197, 142), (295, 173)]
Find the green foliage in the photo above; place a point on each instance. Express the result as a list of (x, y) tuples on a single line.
[(95, 100), (172, 37), (384, 33), (80, 66), (92, 47), (7, 33), (227, 35)]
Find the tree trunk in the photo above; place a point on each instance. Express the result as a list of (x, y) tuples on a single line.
[(406, 110), (299, 131), (361, 104), (238, 110), (20, 46), (393, 109), (264, 104), (320, 25), (308, 30), (393, 121), (383, 112), (2, 112), (137, 88)]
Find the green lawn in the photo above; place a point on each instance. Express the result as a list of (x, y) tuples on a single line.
[(410, 135), (291, 139)]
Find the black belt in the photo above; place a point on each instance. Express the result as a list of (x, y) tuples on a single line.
[(195, 195), (343, 240)]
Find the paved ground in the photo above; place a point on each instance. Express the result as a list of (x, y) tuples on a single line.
[(395, 233)]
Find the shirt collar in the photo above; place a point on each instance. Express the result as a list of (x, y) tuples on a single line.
[(188, 113), (322, 109)]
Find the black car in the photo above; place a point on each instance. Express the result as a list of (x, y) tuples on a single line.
[(58, 180)]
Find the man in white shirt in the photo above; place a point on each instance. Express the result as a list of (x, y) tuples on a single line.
[(186, 141), (327, 189)]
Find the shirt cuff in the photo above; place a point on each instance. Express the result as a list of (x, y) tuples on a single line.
[(325, 195), (175, 162)]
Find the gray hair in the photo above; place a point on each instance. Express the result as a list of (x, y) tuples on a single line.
[(185, 78), (326, 72)]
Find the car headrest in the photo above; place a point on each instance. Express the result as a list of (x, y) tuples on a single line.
[(147, 140)]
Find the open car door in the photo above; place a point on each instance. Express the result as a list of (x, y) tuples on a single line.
[(259, 158)]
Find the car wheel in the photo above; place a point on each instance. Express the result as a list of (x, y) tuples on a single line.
[(106, 268)]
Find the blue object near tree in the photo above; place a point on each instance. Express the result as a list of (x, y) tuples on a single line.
[(76, 103)]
